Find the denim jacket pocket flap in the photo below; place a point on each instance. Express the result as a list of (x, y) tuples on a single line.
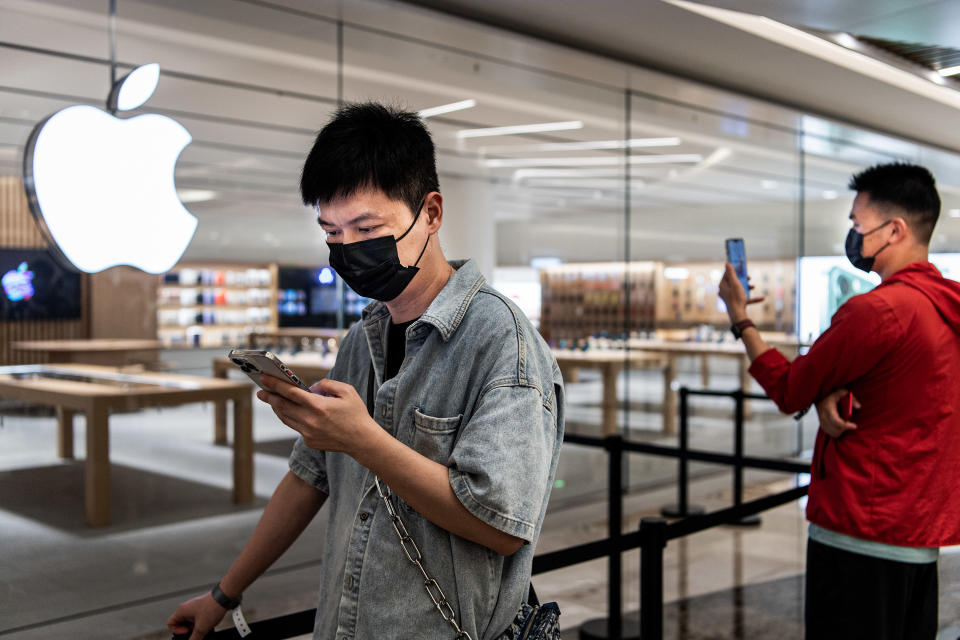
[(436, 426)]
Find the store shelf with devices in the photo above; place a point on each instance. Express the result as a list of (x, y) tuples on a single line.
[(584, 304), (215, 304)]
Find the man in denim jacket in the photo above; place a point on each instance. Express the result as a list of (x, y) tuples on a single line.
[(467, 413)]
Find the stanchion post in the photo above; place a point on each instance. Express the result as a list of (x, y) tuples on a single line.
[(653, 540), (738, 448), (613, 627), (738, 427), (682, 509), (615, 520)]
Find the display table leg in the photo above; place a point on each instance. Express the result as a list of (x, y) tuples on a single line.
[(670, 396), (97, 479), (65, 432), (745, 380), (242, 449), (219, 411)]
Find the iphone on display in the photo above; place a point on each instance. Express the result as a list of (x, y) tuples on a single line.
[(254, 363)]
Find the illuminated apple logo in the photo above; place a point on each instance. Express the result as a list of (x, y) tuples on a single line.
[(101, 188), (18, 284)]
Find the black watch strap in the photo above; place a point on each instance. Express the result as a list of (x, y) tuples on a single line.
[(223, 599), (740, 327)]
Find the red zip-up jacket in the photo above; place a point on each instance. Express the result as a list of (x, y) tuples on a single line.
[(896, 478)]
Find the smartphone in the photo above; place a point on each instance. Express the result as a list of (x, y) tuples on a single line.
[(254, 363), (737, 256)]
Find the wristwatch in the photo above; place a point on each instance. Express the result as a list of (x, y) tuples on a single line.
[(223, 599), (742, 326)]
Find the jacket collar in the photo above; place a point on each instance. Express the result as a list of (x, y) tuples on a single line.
[(448, 308)]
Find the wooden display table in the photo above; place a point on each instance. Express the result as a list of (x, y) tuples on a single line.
[(115, 353), (610, 363), (293, 334), (308, 367), (96, 391), (735, 350)]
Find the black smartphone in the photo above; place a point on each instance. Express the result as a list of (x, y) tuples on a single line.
[(737, 256)]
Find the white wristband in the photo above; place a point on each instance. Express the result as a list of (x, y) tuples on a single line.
[(240, 623)]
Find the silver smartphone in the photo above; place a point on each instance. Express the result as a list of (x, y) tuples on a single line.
[(254, 363)]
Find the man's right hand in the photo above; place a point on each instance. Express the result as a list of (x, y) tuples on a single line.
[(197, 616), (831, 422)]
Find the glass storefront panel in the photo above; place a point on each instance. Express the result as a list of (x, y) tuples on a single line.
[(727, 176), (530, 207)]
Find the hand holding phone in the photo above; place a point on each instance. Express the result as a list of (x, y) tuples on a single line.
[(737, 256), (254, 363)]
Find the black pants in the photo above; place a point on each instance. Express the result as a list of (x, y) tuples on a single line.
[(852, 596)]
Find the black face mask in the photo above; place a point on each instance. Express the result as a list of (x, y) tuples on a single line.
[(854, 248), (372, 267)]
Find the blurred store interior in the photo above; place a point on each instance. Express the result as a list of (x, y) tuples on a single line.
[(593, 157)]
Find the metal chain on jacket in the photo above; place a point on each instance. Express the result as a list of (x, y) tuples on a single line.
[(413, 555)]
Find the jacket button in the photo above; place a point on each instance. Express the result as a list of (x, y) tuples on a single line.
[(364, 516)]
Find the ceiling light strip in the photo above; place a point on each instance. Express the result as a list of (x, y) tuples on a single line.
[(592, 161), (447, 108), (542, 127)]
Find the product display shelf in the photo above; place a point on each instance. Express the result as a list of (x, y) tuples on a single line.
[(583, 300), (687, 295), (216, 304)]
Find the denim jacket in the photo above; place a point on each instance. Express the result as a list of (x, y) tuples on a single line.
[(479, 392)]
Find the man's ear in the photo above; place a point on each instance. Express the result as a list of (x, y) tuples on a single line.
[(433, 207), (902, 230)]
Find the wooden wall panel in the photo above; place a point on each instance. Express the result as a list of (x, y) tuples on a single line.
[(123, 304), (19, 230)]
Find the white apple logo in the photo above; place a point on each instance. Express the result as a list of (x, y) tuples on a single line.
[(101, 188)]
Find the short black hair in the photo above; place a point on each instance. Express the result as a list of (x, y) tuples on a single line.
[(907, 187), (370, 145)]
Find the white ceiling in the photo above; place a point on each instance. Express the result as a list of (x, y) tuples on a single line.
[(253, 80), (661, 35)]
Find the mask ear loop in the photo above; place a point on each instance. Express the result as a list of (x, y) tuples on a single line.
[(415, 218), (873, 257), (410, 228)]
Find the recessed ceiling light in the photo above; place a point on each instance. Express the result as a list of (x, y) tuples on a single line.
[(447, 108), (829, 194), (769, 184), (955, 213), (949, 71), (542, 127)]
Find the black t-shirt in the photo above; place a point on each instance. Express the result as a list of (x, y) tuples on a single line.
[(396, 347)]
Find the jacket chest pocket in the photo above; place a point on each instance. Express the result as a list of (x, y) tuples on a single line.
[(434, 437)]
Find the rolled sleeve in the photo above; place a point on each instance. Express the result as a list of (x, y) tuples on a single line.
[(309, 465), (501, 464)]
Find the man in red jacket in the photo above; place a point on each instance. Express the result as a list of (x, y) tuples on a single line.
[(885, 484)]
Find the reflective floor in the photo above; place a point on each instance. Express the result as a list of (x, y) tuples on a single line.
[(175, 531)]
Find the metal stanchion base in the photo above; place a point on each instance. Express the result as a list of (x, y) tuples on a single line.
[(673, 511), (749, 521), (596, 629)]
